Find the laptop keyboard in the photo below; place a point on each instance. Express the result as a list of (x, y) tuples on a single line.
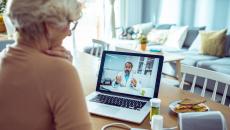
[(118, 101)]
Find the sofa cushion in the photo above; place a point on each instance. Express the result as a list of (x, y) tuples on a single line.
[(191, 35), (164, 26), (192, 58), (213, 43), (176, 37), (227, 45), (221, 68), (196, 44), (143, 28), (219, 65)]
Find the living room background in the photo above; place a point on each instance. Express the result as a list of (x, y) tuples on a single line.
[(214, 14)]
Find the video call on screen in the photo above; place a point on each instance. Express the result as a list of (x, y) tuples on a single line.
[(134, 75)]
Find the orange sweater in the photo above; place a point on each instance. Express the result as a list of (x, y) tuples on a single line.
[(40, 92)]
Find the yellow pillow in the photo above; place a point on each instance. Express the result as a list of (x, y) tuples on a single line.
[(212, 43)]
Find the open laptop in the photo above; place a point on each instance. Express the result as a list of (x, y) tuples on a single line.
[(126, 82)]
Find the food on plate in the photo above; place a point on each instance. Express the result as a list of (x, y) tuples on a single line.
[(191, 105), (188, 101)]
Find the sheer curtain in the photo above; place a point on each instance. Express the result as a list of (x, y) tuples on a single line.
[(112, 18), (99, 20), (170, 11), (131, 12), (214, 14), (87, 28)]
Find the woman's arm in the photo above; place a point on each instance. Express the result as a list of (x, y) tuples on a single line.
[(66, 98)]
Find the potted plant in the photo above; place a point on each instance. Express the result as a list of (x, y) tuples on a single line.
[(143, 41), (2, 9)]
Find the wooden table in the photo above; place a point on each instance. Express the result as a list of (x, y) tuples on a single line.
[(87, 68)]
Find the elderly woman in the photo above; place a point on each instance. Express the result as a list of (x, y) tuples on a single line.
[(39, 87)]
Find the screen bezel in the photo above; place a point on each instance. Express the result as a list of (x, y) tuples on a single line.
[(157, 85)]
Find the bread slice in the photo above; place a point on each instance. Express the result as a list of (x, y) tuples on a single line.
[(188, 101), (183, 110)]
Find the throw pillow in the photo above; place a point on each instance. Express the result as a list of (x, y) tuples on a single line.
[(196, 45), (212, 43), (157, 36), (164, 26), (191, 35), (176, 37), (227, 46)]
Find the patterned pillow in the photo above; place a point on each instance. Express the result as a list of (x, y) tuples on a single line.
[(157, 36)]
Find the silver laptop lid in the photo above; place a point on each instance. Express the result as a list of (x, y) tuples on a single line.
[(130, 74)]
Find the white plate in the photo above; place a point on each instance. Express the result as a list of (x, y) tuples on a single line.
[(173, 105)]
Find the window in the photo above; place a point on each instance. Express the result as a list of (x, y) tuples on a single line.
[(149, 66), (93, 24), (140, 66)]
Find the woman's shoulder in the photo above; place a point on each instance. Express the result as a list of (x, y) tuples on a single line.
[(59, 64), (58, 72)]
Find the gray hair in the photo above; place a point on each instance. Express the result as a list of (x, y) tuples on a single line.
[(29, 15)]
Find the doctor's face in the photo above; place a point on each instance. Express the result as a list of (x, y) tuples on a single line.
[(128, 68)]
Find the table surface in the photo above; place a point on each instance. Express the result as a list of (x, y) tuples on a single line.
[(87, 68)]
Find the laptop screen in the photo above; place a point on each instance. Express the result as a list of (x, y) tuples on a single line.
[(130, 73)]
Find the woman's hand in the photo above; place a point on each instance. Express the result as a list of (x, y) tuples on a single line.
[(60, 52)]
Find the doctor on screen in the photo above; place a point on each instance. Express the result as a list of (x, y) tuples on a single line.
[(126, 78)]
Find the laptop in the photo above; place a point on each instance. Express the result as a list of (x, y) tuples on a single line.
[(126, 83)]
